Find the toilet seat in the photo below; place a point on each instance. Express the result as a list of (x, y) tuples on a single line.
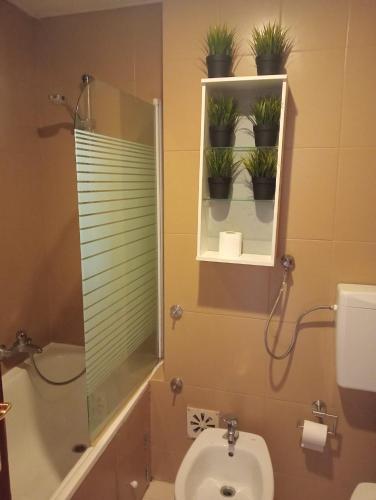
[(364, 491)]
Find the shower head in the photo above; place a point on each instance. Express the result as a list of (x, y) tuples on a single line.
[(57, 99), (60, 100)]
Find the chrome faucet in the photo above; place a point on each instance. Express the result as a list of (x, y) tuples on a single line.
[(22, 345), (232, 433)]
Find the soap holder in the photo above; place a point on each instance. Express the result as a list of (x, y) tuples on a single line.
[(319, 411)]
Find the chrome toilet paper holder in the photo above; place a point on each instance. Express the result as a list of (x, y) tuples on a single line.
[(320, 412)]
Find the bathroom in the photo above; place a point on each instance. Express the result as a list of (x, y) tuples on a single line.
[(154, 50)]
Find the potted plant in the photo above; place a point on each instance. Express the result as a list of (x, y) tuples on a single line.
[(222, 117), (221, 168), (270, 46), (265, 115), (220, 47), (262, 167)]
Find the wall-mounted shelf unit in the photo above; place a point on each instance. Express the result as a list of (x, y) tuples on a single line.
[(256, 220)]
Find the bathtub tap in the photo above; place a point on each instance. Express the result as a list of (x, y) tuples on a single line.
[(22, 345)]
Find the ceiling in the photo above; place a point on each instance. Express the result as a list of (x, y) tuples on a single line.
[(51, 8)]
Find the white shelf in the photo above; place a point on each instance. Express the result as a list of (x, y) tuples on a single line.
[(245, 82), (256, 220), (245, 258)]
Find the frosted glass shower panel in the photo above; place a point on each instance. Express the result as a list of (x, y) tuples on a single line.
[(116, 181)]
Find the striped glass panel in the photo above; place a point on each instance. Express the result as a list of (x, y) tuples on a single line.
[(116, 184)]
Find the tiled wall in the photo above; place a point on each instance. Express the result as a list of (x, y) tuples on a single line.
[(327, 223), (40, 272), (124, 461), (121, 47), (23, 273)]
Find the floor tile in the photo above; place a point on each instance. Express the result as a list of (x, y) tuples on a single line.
[(159, 490)]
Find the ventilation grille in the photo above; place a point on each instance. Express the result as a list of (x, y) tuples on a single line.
[(198, 420)]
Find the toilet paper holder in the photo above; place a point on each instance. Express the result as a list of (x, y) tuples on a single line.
[(319, 411)]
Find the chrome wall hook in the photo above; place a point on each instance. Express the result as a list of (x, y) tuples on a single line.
[(176, 385), (176, 312)]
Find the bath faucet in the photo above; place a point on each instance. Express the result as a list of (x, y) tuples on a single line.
[(22, 345), (232, 433)]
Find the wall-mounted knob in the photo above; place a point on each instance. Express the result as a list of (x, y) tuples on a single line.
[(176, 311), (176, 385)]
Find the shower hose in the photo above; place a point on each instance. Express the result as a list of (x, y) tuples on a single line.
[(294, 337), (54, 382)]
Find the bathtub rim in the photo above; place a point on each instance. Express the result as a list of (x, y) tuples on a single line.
[(84, 465)]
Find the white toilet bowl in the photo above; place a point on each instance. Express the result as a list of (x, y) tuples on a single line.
[(209, 473), (364, 491)]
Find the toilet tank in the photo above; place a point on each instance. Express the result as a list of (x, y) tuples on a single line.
[(356, 337)]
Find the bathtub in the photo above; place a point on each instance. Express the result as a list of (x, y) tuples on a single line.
[(47, 422)]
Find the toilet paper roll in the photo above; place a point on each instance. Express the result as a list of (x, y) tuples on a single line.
[(230, 244), (314, 436)]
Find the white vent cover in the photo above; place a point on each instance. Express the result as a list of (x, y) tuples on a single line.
[(198, 420)]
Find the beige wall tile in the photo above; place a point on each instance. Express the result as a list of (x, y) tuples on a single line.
[(164, 464), (123, 461), (101, 482), (357, 407), (358, 106), (245, 66), (354, 262), (125, 53), (209, 286), (182, 101), (147, 28), (169, 418), (307, 375), (308, 193), (305, 18), (310, 280), (319, 88), (198, 343), (133, 451), (185, 25), (290, 487), (356, 187), (111, 38), (361, 25), (181, 191), (357, 448), (283, 439), (23, 275), (314, 101), (245, 14), (344, 489)]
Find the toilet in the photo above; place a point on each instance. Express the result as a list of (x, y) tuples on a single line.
[(364, 491), (208, 472)]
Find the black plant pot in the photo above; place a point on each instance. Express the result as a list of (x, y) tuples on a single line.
[(265, 135), (263, 188), (219, 65), (221, 137), (269, 64), (219, 187)]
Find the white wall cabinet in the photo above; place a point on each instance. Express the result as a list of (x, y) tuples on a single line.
[(257, 220)]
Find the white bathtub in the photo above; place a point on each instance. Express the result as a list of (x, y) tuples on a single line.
[(47, 421)]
